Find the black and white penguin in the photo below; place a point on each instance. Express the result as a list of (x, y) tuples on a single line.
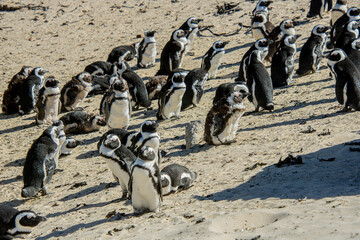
[(338, 11), (154, 86), (48, 104), (126, 137), (100, 68), (194, 82), (212, 58), (349, 33), (352, 49), (11, 97), (41, 160), (319, 7), (191, 27), (170, 97), (75, 91), (173, 52), (147, 50), (14, 222), (262, 7), (263, 46), (145, 182), (80, 122), (282, 65), (259, 83), (222, 121), (175, 177), (261, 27), (116, 105), (69, 145), (312, 51), (123, 53), (347, 79), (30, 89), (119, 159)]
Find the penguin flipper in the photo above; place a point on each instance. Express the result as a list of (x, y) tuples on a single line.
[(158, 177)]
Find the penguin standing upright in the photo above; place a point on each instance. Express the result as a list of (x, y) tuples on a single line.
[(147, 50), (11, 97), (319, 7), (123, 53), (170, 99), (261, 27), (222, 121), (41, 160), (347, 79), (145, 183), (191, 27), (352, 49), (30, 89), (173, 53), (194, 82), (312, 51), (338, 11), (80, 122), (282, 65), (14, 222), (349, 33), (212, 58), (48, 104)]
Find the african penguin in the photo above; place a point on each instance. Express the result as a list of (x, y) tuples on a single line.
[(222, 121), (175, 177), (347, 79), (194, 82), (282, 65), (145, 183), (48, 104), (261, 27), (11, 97), (154, 85), (41, 160), (173, 52), (262, 7), (319, 7), (123, 53), (125, 136), (352, 49), (191, 27), (170, 97), (80, 122), (14, 222), (100, 68), (349, 33), (69, 145), (212, 58), (338, 11), (312, 51), (147, 50)]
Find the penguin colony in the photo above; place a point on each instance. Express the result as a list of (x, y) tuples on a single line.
[(134, 157)]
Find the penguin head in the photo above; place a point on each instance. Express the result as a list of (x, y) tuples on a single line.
[(178, 78), (353, 13), (287, 26), (262, 44), (355, 44), (24, 221), (97, 121), (239, 93), (25, 71), (112, 141), (179, 35), (39, 72), (289, 40), (335, 56), (319, 30), (353, 26), (146, 153), (72, 143), (84, 77), (259, 19), (264, 3), (193, 22), (149, 126), (120, 85), (51, 82), (219, 45), (120, 67), (149, 33)]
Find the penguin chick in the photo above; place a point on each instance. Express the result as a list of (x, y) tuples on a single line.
[(123, 53), (147, 50), (154, 85), (69, 145), (212, 58), (80, 122)]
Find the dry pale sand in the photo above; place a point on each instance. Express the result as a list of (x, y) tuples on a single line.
[(315, 200)]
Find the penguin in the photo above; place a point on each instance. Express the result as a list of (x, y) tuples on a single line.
[(147, 50), (14, 222), (338, 11), (262, 45), (262, 7), (352, 49), (30, 89), (259, 83), (312, 51), (11, 96), (126, 137), (170, 97), (41, 160), (154, 85), (349, 33), (175, 177), (123, 53), (261, 27), (75, 91), (173, 52), (212, 58), (282, 65), (80, 122), (319, 7), (145, 183), (191, 27), (100, 68), (116, 105), (347, 79), (48, 104), (119, 159), (69, 145), (222, 121), (194, 82)]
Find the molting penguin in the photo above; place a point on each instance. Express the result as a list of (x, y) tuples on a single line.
[(352, 49), (147, 50), (14, 222), (222, 121), (191, 27), (170, 97), (48, 104), (75, 91), (123, 53), (260, 26), (262, 7), (194, 82), (312, 51), (154, 85), (80, 122), (30, 90), (319, 7), (41, 160), (175, 177), (145, 183), (347, 77), (11, 97), (173, 52), (338, 11), (212, 58), (349, 33), (69, 145), (282, 65)]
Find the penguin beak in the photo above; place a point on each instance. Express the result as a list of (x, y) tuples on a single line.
[(40, 219), (199, 20), (289, 25)]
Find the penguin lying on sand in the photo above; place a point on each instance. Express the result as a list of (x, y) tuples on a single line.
[(80, 122), (123, 53), (212, 59)]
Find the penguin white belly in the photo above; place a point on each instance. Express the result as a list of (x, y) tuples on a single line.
[(51, 109), (122, 176), (144, 195), (314, 60), (215, 63), (231, 128), (173, 106), (257, 33), (192, 35), (119, 116), (148, 57), (253, 93)]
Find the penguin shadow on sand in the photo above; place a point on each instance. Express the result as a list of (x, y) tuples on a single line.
[(17, 128), (328, 172), (184, 152), (17, 163), (11, 180), (87, 191), (15, 202), (145, 114)]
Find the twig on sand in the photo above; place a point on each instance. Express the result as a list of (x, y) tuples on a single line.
[(208, 28), (8, 8)]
